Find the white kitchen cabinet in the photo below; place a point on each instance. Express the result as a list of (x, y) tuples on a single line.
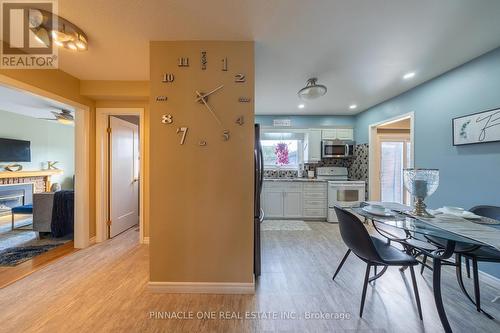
[(294, 199), (345, 134), (330, 134), (272, 203), (338, 134), (312, 146), (292, 204)]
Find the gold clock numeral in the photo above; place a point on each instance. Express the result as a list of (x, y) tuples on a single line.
[(239, 78), (161, 98), (225, 135), (184, 131), (202, 143), (203, 60), (167, 119), (168, 78), (183, 62), (240, 121), (224, 64), (244, 99)]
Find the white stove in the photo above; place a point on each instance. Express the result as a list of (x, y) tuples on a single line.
[(341, 191)]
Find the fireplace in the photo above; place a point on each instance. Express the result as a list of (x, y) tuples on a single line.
[(14, 195)]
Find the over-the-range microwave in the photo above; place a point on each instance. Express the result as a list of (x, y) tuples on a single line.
[(337, 148)]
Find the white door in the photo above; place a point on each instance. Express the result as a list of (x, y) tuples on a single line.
[(123, 175), (273, 203), (395, 155), (292, 204)]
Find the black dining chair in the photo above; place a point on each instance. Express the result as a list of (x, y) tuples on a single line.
[(475, 254), (374, 251)]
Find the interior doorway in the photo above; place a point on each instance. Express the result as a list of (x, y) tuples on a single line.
[(119, 166), (123, 173), (391, 151)]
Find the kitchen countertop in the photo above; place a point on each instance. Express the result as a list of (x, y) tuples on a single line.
[(305, 180)]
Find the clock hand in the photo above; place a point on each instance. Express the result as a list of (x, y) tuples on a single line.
[(203, 96), (208, 107)]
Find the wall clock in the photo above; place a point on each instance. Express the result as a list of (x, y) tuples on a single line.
[(205, 97)]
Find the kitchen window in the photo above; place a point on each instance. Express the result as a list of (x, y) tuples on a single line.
[(281, 154)]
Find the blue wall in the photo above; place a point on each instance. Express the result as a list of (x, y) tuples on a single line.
[(469, 175), (309, 121)]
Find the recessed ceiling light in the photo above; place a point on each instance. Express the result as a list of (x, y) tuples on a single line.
[(353, 106), (408, 75), (301, 106)]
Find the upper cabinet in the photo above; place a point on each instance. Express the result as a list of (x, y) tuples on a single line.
[(338, 134), (312, 146)]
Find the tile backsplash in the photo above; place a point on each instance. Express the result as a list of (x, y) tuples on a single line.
[(275, 173), (357, 167)]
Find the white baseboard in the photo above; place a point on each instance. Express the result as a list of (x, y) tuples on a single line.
[(145, 240), (202, 287)]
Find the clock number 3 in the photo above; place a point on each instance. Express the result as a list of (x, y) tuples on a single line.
[(240, 78), (167, 119), (182, 130)]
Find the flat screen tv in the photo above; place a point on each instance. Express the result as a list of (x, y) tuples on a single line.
[(15, 150)]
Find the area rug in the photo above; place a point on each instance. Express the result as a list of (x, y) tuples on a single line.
[(16, 255), (285, 225)]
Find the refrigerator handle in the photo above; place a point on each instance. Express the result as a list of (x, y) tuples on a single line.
[(261, 166)]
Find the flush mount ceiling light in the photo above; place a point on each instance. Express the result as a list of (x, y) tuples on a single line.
[(62, 32), (408, 75), (301, 106), (353, 106), (312, 90)]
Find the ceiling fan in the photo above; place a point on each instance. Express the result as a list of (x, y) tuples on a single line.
[(64, 117)]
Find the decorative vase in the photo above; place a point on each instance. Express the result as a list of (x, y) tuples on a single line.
[(421, 183)]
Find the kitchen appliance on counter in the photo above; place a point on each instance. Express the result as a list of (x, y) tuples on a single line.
[(258, 215), (337, 148), (341, 191)]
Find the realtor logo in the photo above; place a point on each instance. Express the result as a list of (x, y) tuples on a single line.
[(27, 41)]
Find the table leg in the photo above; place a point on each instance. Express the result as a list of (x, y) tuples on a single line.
[(436, 281), (436, 286)]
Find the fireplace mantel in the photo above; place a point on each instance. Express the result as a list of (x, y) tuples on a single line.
[(40, 178), (28, 174)]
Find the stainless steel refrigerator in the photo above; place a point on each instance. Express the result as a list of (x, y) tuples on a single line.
[(258, 212)]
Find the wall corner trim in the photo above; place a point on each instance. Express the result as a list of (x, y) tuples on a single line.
[(202, 287)]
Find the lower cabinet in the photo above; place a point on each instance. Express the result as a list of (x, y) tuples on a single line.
[(289, 199)]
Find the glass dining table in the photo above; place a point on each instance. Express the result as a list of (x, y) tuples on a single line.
[(413, 227)]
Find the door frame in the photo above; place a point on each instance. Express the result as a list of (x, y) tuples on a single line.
[(372, 139), (102, 162), (81, 153), (389, 137)]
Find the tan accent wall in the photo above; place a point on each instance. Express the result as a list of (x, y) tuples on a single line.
[(201, 213), (66, 86)]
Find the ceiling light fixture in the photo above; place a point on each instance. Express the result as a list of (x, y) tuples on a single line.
[(353, 106), (301, 106), (312, 90), (62, 32), (408, 75)]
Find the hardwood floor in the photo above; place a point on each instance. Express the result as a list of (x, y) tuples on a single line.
[(10, 275), (104, 289)]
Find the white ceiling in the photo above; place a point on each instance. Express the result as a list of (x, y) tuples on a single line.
[(27, 104), (358, 48)]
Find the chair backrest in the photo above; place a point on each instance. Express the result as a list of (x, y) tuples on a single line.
[(355, 236), (493, 212)]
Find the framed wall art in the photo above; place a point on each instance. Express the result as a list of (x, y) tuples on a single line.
[(478, 127)]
